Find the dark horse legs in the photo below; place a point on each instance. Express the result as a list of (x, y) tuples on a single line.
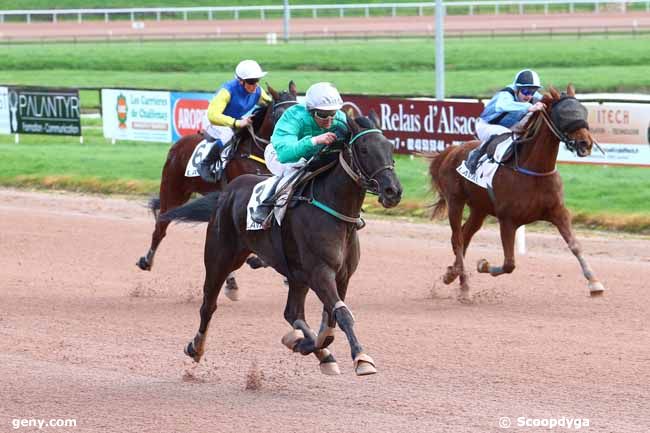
[(331, 295), (302, 338), (219, 262), (169, 199)]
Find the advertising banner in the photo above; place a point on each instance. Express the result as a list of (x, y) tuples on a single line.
[(420, 125), (5, 127), (43, 111), (623, 131), (136, 115), (188, 109)]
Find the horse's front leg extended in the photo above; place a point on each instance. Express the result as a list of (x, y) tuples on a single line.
[(324, 285), (562, 221), (507, 230)]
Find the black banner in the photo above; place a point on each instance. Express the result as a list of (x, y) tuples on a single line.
[(43, 110)]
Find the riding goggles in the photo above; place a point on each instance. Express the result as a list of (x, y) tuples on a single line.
[(528, 91), (324, 115), (252, 81)]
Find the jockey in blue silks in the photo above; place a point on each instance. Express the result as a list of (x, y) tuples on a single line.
[(303, 131), (229, 110), (506, 109)]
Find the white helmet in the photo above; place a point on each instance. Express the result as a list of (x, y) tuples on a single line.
[(527, 78), (248, 69), (323, 96)]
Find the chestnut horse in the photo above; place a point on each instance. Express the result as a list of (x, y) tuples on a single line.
[(176, 189), (524, 190)]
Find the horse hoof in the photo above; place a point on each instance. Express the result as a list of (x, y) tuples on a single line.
[(189, 351), (364, 365), (596, 289), (330, 368), (232, 290), (483, 266), (143, 264), (450, 276), (292, 338), (255, 262)]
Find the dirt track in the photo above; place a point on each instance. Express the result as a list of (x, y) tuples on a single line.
[(86, 335)]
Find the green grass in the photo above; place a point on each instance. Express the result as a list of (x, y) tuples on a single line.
[(475, 67)]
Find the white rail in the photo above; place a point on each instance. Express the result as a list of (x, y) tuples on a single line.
[(263, 12)]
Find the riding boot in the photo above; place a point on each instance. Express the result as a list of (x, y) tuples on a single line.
[(474, 157), (209, 166), (263, 209)]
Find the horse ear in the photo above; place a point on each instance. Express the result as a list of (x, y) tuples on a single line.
[(570, 90), (374, 119), (554, 93), (352, 122), (292, 89), (273, 92)]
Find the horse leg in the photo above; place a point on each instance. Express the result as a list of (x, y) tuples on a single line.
[(471, 226), (232, 289), (457, 244), (168, 200), (302, 338), (507, 229), (219, 262), (562, 221), (324, 284)]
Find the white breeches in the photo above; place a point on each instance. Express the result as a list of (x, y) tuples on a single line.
[(223, 133), (276, 167), (485, 130)]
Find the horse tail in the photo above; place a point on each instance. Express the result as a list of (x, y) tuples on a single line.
[(199, 210), (439, 208)]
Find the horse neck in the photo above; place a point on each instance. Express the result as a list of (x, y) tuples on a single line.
[(540, 154), (266, 129), (340, 192)]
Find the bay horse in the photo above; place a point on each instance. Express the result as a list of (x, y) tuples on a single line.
[(313, 248), (524, 190), (176, 188)]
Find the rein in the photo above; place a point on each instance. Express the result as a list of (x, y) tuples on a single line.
[(257, 140)]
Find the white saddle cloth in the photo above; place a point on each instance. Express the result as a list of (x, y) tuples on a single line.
[(487, 168), (261, 192), (200, 152)]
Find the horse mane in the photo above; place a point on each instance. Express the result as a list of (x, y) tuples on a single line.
[(533, 124)]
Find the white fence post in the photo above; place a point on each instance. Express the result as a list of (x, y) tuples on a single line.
[(520, 240)]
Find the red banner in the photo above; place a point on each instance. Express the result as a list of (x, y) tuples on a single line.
[(420, 125)]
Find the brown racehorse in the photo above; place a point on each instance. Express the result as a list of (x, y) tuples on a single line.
[(176, 189), (524, 190)]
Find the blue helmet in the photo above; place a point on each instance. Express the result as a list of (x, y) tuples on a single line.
[(527, 78)]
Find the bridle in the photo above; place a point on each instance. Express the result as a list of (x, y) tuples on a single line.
[(356, 171)]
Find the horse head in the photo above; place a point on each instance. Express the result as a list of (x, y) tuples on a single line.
[(372, 159), (567, 119), (283, 100)]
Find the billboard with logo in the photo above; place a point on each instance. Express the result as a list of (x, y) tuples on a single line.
[(188, 109), (417, 125), (136, 115), (41, 110), (623, 131)]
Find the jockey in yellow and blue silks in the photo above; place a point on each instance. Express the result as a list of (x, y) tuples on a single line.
[(303, 131), (231, 109), (507, 108)]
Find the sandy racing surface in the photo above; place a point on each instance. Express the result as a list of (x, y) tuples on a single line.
[(86, 335)]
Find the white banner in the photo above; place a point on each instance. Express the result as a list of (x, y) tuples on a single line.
[(5, 127), (623, 131), (136, 115)]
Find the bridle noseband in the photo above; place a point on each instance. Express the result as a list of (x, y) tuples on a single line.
[(356, 170)]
